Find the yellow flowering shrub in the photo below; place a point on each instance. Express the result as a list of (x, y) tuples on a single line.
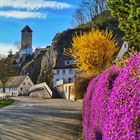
[(93, 51)]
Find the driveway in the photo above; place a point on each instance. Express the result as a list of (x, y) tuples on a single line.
[(40, 119)]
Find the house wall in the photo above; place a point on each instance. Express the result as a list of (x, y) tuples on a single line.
[(10, 91), (28, 51), (25, 86), (60, 75), (66, 91), (1, 90)]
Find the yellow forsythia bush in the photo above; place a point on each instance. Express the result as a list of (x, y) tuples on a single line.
[(93, 51)]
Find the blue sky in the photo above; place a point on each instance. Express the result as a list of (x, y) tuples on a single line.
[(45, 17)]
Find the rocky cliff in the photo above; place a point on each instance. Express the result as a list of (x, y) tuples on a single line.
[(33, 67)]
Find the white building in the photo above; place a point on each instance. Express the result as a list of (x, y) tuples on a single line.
[(64, 76), (64, 70), (26, 42), (18, 85)]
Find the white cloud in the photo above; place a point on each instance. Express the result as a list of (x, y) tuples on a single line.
[(22, 14), (33, 4), (5, 48)]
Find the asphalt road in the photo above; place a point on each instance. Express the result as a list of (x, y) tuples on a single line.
[(37, 119)]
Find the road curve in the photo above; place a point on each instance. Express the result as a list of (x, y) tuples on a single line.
[(40, 119)]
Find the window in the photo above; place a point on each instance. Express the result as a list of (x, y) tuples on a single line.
[(69, 80), (63, 71), (70, 71), (29, 84), (21, 88), (57, 79), (57, 71), (23, 83), (67, 62)]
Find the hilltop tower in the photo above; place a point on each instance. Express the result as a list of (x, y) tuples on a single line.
[(26, 42)]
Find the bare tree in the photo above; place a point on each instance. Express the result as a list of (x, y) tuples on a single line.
[(5, 71), (17, 45), (10, 52), (89, 9), (79, 17)]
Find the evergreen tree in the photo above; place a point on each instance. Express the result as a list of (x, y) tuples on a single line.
[(128, 14)]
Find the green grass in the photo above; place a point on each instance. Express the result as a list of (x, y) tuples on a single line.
[(80, 134), (6, 102)]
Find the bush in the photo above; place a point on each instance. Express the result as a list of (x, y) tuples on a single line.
[(80, 86), (110, 106), (95, 101), (123, 120), (93, 51), (86, 107)]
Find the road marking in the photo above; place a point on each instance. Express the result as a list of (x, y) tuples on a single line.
[(26, 105)]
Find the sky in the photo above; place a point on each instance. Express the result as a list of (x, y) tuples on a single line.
[(45, 17)]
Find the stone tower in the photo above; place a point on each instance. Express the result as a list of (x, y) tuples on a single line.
[(26, 37), (26, 41)]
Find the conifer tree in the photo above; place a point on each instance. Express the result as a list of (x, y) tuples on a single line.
[(128, 14)]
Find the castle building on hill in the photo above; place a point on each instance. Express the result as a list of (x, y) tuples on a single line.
[(26, 42)]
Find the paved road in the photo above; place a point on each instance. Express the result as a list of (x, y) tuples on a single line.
[(36, 119)]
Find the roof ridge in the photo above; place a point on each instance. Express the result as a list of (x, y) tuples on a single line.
[(26, 28)]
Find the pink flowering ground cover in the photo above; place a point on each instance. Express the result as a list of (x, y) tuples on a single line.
[(111, 106), (123, 108), (99, 101), (86, 107)]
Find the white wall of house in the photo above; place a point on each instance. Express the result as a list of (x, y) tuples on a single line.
[(25, 86), (67, 75), (11, 91), (28, 51), (1, 90), (66, 91)]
